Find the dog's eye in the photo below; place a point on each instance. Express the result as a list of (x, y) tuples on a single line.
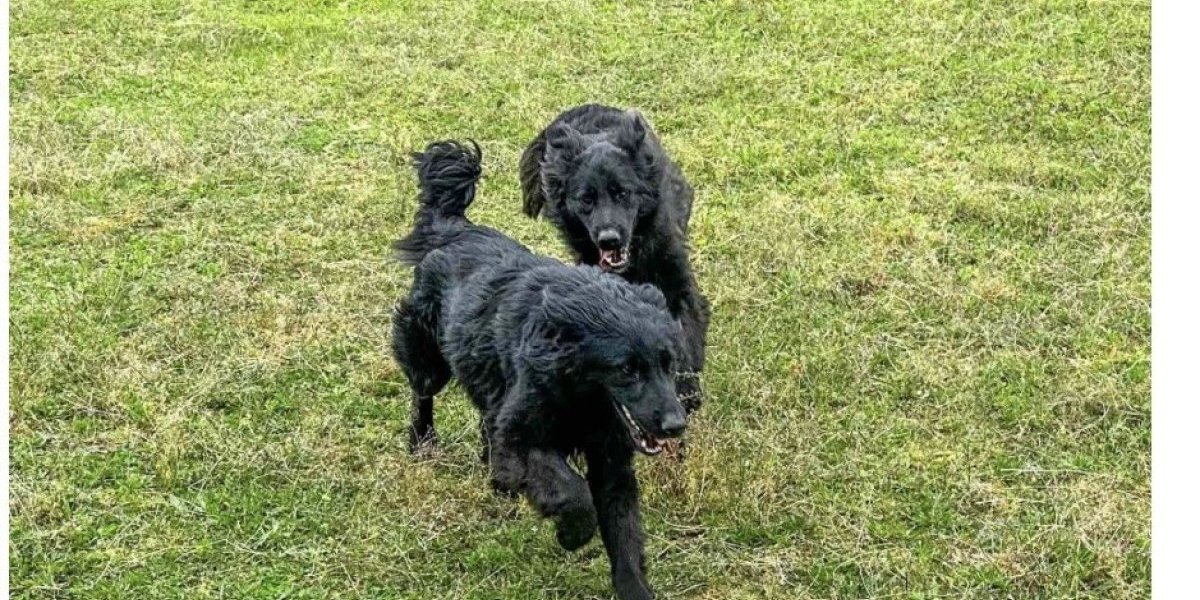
[(621, 195), (587, 198), (629, 370)]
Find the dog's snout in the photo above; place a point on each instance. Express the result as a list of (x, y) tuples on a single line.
[(673, 424), (609, 239)]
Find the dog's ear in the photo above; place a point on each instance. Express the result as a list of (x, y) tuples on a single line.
[(563, 145), (632, 137), (530, 170), (551, 337), (546, 349), (633, 131), (563, 315), (563, 142)]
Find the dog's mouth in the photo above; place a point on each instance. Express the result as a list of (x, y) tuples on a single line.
[(614, 261), (644, 442)]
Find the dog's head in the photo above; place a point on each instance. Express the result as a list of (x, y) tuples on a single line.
[(622, 342), (599, 187)]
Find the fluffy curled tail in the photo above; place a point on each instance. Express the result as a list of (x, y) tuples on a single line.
[(447, 172)]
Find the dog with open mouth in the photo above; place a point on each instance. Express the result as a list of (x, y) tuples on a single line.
[(602, 177), (559, 360)]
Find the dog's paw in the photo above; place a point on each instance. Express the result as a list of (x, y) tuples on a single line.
[(501, 488), (675, 449), (687, 389), (421, 441), (632, 586), (575, 530)]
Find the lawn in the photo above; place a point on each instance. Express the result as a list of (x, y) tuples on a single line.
[(923, 226)]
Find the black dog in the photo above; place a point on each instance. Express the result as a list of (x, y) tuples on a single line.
[(558, 360), (602, 177)]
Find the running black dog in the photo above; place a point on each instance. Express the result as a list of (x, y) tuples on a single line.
[(602, 177), (557, 359)]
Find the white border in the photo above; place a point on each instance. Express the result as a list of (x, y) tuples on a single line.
[(1174, 361), (1176, 163), (4, 302)]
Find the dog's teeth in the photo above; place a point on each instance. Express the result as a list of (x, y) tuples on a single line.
[(629, 417)]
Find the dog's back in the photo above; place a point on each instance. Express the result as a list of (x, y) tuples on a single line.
[(447, 251)]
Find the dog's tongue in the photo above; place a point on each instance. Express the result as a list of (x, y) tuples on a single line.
[(610, 257)]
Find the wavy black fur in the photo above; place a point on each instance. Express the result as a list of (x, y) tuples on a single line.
[(551, 355), (600, 171)]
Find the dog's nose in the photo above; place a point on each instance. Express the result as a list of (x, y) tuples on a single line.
[(609, 239), (673, 424)]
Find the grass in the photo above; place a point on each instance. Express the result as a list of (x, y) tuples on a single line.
[(923, 226)]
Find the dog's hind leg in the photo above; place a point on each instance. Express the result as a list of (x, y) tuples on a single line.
[(487, 399), (487, 432), (414, 345)]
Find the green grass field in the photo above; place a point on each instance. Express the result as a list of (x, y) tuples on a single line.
[(924, 228)]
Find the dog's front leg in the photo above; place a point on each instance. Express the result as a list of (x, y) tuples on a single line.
[(520, 463), (614, 488), (693, 320), (509, 434), (558, 492), (554, 489)]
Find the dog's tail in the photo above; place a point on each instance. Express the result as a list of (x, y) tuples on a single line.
[(447, 172)]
